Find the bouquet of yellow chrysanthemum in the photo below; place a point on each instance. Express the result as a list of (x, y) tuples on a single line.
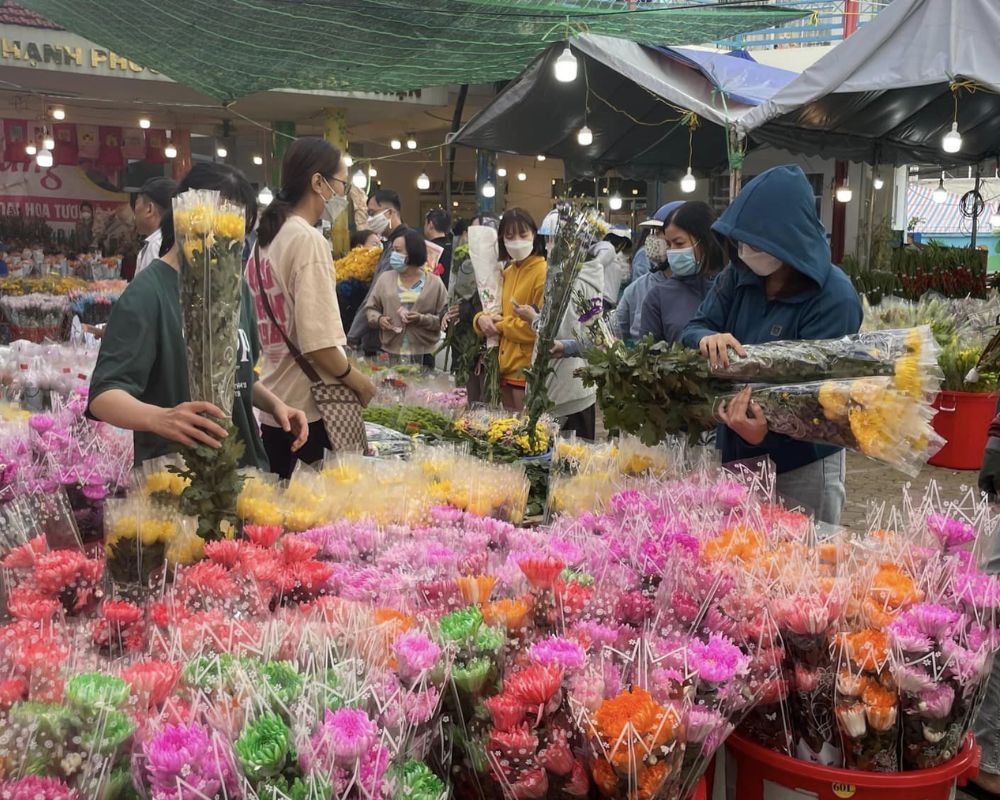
[(142, 539), (210, 233), (359, 264)]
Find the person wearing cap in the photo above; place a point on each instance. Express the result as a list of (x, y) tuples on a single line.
[(149, 205), (641, 262), (780, 284), (628, 315)]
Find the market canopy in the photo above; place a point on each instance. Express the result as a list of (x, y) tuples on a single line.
[(231, 49), (639, 102), (887, 94)]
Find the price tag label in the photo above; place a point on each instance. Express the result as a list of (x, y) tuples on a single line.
[(844, 789)]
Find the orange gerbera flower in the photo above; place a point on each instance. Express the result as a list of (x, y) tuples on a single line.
[(740, 542), (512, 612), (476, 588), (635, 714), (604, 776), (403, 622), (895, 587), (868, 649), (880, 707)]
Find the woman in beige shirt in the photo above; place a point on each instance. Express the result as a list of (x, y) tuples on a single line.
[(407, 302)]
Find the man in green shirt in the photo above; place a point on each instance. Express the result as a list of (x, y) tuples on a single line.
[(140, 381)]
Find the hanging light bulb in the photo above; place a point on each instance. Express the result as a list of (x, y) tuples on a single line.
[(615, 202), (44, 158), (372, 172), (844, 193), (30, 149), (878, 183), (585, 136), (395, 144), (348, 160), (635, 191), (59, 113), (258, 160), (411, 143), (489, 190), (423, 182), (540, 157), (48, 142), (940, 194), (170, 151), (951, 142), (359, 179), (265, 196), (995, 218), (688, 182), (522, 176), (144, 123), (501, 172), (221, 151), (565, 66)]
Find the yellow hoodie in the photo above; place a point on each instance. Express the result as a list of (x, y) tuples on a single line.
[(524, 282)]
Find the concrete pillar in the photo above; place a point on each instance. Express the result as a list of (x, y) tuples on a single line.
[(282, 136), (335, 132), (181, 139), (486, 170)]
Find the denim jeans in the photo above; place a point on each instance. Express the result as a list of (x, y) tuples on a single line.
[(987, 724), (818, 488)]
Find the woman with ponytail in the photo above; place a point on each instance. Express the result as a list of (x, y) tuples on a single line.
[(293, 283), (140, 381)]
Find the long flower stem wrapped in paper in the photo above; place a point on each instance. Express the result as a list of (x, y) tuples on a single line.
[(883, 410), (210, 233), (484, 252)]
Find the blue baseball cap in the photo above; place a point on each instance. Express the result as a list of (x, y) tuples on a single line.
[(661, 214)]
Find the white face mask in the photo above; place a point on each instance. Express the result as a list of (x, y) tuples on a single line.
[(334, 206), (758, 261), (378, 222), (519, 249)]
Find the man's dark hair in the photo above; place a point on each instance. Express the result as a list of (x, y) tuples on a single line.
[(416, 247), (386, 197), (160, 192), (439, 219)]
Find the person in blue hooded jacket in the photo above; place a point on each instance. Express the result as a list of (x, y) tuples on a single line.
[(779, 285)]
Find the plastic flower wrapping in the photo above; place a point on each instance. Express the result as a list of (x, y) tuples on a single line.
[(93, 303), (871, 392), (414, 643)]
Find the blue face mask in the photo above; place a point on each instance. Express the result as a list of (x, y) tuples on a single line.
[(397, 261), (682, 262)]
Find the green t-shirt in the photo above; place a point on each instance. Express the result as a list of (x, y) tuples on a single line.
[(142, 353)]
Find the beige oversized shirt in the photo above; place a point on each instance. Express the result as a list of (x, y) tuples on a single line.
[(297, 273)]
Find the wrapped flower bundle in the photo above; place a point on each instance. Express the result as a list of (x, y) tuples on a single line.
[(870, 392), (358, 265), (484, 253), (210, 233), (94, 303)]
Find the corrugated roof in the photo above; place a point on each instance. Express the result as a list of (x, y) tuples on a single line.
[(13, 14)]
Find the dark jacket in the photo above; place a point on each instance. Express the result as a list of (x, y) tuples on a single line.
[(360, 335), (776, 212), (671, 304)]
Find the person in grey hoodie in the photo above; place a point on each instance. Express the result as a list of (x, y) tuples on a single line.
[(695, 257)]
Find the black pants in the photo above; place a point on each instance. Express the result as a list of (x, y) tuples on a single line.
[(584, 423), (278, 446)]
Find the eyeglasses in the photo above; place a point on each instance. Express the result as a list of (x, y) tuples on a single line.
[(338, 180)]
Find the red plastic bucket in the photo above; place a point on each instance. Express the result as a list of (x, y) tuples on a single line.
[(962, 420), (757, 767)]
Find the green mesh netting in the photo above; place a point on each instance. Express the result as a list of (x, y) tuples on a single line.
[(230, 48)]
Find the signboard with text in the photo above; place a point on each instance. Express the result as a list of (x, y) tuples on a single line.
[(56, 194)]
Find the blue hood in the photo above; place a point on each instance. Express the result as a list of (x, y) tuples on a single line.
[(776, 213)]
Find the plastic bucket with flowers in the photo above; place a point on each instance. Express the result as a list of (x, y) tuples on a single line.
[(763, 774), (963, 419)]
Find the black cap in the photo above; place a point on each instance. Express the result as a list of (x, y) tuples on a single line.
[(161, 191)]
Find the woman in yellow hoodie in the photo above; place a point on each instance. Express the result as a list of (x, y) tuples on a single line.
[(523, 285)]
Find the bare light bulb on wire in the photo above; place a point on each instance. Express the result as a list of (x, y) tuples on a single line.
[(170, 151), (878, 183), (501, 172), (372, 172), (489, 190), (258, 160), (423, 182), (359, 179), (59, 113), (688, 182), (565, 66), (348, 160), (951, 142), (522, 176), (615, 202), (940, 194), (540, 157), (48, 142), (30, 149), (585, 136), (411, 143), (395, 144), (265, 196), (844, 194), (144, 123), (44, 158), (221, 152)]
